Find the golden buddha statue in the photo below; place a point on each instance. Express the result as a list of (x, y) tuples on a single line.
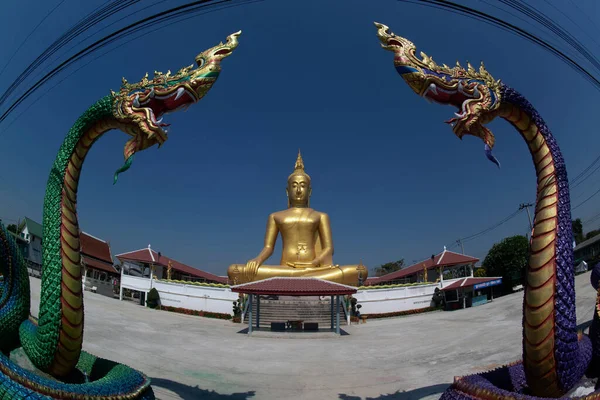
[(307, 242)]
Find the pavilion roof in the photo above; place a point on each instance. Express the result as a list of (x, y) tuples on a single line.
[(444, 259), (95, 247), (294, 287), (98, 264), (150, 256)]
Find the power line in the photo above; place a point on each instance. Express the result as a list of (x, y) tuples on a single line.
[(497, 22), (541, 18), (585, 201), (28, 36), (573, 21), (587, 16), (139, 25), (526, 207), (96, 16), (592, 219), (38, 98), (496, 225)]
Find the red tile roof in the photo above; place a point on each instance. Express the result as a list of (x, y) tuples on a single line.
[(148, 255), (468, 282), (444, 259), (294, 287), (94, 247), (101, 265)]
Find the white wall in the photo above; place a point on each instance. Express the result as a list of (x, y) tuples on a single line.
[(195, 297), (102, 287), (381, 301), (135, 283)]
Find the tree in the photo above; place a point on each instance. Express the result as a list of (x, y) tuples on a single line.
[(508, 259), (577, 226), (591, 234), (389, 267), (12, 228), (479, 273)]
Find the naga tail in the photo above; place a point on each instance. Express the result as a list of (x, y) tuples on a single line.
[(14, 291)]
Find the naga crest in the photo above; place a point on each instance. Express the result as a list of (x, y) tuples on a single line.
[(474, 92), (141, 106)]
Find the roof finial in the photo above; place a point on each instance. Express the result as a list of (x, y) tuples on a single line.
[(148, 245), (444, 248)]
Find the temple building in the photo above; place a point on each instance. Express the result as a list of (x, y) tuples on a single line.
[(99, 274), (29, 240), (149, 263), (445, 265)]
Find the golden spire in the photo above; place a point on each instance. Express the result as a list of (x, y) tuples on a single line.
[(299, 163), (299, 167)]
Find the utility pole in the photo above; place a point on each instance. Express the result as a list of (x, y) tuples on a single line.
[(526, 206), (459, 241)]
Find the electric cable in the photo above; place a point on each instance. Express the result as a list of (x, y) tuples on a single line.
[(123, 32)]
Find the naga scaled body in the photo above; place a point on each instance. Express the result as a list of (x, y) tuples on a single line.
[(53, 341), (555, 355)]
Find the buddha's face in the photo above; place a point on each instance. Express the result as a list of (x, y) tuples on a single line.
[(298, 190)]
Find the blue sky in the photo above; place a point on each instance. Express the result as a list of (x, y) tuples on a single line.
[(394, 179)]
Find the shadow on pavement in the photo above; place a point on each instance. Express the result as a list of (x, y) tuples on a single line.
[(245, 331), (187, 392), (415, 394)]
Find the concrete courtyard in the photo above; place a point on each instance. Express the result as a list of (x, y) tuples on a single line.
[(411, 357)]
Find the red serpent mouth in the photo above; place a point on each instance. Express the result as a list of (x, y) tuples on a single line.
[(156, 103)]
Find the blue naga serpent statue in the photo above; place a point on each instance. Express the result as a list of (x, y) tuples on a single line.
[(555, 355), (53, 341)]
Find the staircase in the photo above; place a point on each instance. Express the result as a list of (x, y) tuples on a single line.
[(289, 308)]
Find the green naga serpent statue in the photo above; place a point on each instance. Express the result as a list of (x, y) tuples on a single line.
[(555, 355), (53, 341)]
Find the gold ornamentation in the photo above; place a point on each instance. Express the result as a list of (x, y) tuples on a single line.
[(307, 241), (477, 93), (143, 103)]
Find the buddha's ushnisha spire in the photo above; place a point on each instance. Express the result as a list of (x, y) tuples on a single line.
[(299, 163), (299, 167)]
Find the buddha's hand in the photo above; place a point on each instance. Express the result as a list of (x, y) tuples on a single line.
[(310, 264), (251, 268)]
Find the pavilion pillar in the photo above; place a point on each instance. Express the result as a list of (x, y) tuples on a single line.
[(337, 314), (121, 284), (464, 298), (331, 312), (257, 311), (250, 314)]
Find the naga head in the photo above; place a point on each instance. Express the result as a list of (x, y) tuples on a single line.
[(473, 92), (141, 106)]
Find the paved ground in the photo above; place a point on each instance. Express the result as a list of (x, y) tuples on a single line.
[(405, 358)]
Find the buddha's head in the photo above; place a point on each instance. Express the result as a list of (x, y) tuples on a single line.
[(298, 186)]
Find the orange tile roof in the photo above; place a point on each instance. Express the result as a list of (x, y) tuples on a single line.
[(101, 265), (94, 247), (444, 259), (148, 255)]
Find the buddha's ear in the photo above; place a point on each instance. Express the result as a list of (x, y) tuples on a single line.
[(287, 194)]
